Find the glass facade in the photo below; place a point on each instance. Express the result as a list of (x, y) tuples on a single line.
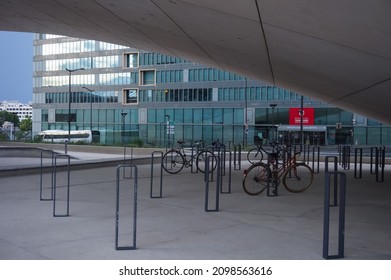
[(134, 94)]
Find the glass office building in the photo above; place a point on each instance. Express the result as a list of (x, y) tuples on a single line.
[(130, 95)]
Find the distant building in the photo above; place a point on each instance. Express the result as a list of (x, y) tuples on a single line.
[(128, 94), (23, 111)]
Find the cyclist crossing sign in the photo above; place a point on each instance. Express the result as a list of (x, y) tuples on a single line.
[(170, 128)]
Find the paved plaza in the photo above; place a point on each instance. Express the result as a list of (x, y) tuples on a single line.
[(176, 226)]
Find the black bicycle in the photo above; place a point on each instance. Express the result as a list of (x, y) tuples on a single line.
[(175, 159), (258, 153)]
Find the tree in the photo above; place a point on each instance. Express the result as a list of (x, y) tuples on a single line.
[(8, 117), (26, 125)]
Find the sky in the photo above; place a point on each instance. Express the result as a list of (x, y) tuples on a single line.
[(16, 66)]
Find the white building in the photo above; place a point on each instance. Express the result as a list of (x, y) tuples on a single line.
[(23, 111)]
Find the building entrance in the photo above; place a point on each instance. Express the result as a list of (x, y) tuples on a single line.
[(313, 135)]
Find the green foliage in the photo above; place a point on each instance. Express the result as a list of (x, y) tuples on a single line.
[(8, 117), (137, 142), (26, 125)]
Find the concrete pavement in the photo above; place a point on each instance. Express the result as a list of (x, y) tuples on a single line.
[(289, 226)]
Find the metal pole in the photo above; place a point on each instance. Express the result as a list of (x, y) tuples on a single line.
[(69, 98), (168, 129), (273, 132), (123, 126), (90, 90), (69, 105), (245, 115), (301, 121)]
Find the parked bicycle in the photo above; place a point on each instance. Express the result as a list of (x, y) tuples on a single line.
[(259, 152), (175, 159), (295, 176)]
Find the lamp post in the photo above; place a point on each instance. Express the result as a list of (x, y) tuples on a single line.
[(91, 91), (273, 106), (70, 71), (123, 114), (301, 123), (245, 130)]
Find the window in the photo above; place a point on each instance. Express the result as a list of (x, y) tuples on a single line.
[(147, 77), (131, 60), (130, 96)]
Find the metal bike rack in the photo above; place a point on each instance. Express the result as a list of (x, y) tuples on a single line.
[(67, 186), (194, 151), (275, 192), (315, 150), (306, 154), (210, 162), (220, 150), (341, 216), (237, 157), (380, 163), (221, 156), (117, 209), (374, 152), (223, 173), (130, 161), (218, 184), (41, 177), (358, 157), (334, 171), (161, 173), (379, 154), (65, 146), (344, 156)]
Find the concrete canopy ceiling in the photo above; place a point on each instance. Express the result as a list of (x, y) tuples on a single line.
[(337, 51)]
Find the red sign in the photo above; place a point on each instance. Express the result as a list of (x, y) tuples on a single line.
[(295, 116)]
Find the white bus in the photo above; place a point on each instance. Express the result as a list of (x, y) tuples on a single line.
[(60, 136)]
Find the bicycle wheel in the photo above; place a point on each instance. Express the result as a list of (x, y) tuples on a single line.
[(173, 161), (202, 157), (254, 155), (298, 177), (256, 178)]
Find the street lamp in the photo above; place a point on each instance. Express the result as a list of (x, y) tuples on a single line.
[(123, 114), (273, 106), (301, 122), (245, 130), (91, 91), (70, 71)]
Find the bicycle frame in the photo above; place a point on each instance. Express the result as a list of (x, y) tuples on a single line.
[(175, 159), (193, 154), (295, 176), (278, 170)]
